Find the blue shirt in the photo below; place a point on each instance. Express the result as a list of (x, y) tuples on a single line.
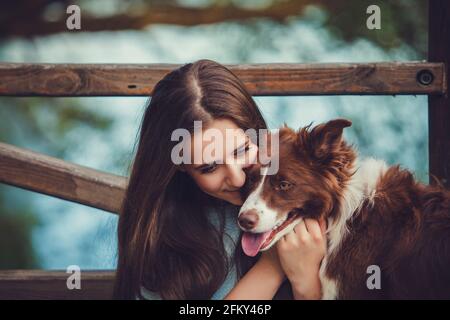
[(231, 237)]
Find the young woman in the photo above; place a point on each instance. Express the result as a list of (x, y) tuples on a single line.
[(177, 233)]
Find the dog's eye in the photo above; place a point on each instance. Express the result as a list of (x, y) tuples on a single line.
[(284, 185)]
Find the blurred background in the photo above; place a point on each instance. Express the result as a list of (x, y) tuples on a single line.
[(38, 231)]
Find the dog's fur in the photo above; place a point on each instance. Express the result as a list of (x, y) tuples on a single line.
[(377, 215)]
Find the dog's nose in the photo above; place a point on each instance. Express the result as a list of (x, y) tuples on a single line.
[(248, 219)]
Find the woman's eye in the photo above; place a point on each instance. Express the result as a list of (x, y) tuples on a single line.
[(242, 150), (209, 168)]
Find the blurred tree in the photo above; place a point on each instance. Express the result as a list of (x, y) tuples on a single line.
[(16, 247), (403, 21)]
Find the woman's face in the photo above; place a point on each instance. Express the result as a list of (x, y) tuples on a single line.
[(219, 172)]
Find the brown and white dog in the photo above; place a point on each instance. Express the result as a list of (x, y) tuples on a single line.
[(377, 215)]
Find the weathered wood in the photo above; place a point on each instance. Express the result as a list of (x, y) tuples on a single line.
[(439, 106), (44, 174), (260, 79), (41, 284)]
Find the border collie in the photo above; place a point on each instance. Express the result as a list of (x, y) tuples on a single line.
[(377, 215)]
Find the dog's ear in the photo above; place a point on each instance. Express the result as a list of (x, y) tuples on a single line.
[(324, 139)]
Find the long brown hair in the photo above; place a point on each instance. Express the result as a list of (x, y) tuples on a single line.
[(166, 242)]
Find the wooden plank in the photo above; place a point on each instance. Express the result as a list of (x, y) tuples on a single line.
[(44, 174), (260, 79), (439, 105), (44, 285)]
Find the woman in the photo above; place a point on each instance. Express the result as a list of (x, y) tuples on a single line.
[(177, 234)]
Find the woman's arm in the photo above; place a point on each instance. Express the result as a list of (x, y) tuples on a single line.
[(312, 290), (262, 281)]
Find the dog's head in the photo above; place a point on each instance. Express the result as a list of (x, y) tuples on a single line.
[(314, 165)]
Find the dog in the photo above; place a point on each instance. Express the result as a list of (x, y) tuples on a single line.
[(377, 215)]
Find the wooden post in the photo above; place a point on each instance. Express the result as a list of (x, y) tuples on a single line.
[(439, 105)]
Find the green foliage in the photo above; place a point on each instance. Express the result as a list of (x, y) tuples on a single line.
[(402, 22), (16, 247)]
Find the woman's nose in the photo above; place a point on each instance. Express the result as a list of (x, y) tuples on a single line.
[(236, 176)]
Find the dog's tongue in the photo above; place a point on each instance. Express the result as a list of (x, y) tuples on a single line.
[(252, 242)]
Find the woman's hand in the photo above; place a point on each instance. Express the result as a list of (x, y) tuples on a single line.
[(301, 252)]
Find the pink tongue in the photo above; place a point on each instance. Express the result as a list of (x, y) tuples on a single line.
[(252, 242)]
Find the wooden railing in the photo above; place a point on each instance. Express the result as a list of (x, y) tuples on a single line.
[(39, 284), (58, 80), (40, 173), (68, 181)]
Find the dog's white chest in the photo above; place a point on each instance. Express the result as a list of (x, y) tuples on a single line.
[(361, 187), (329, 286)]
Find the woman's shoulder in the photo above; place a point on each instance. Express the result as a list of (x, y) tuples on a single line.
[(228, 211), (231, 229)]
